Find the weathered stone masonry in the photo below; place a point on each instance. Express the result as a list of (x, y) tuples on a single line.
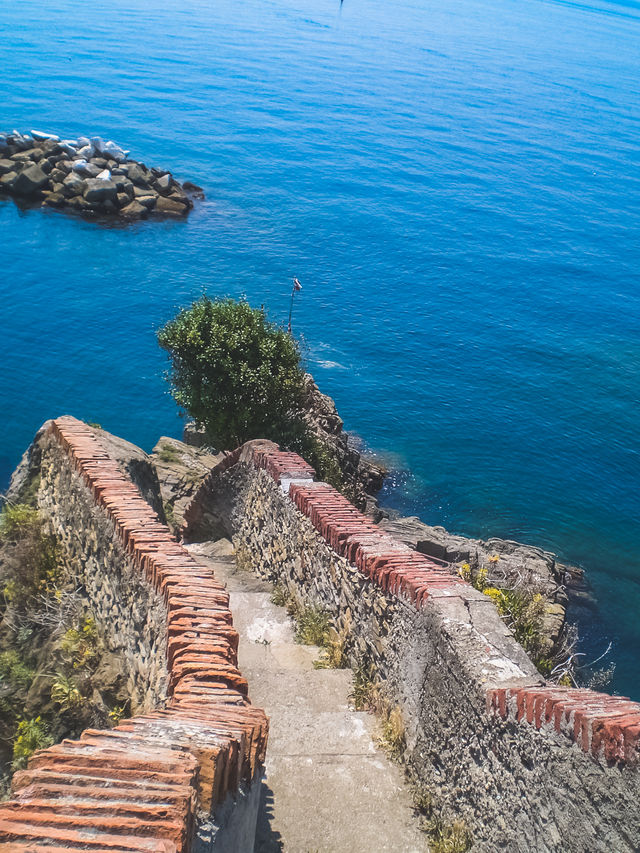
[(528, 765), (161, 780)]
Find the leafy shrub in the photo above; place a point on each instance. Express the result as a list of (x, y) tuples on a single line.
[(117, 714), (14, 671), (522, 609), (236, 373), (79, 645), (365, 689), (35, 567), (66, 692), (31, 735), (334, 648), (392, 730), (311, 625), (168, 453), (18, 520), (448, 837), (280, 596)]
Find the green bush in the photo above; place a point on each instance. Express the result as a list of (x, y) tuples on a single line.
[(236, 373), (31, 735), (66, 692), (34, 566), (18, 521), (79, 645), (14, 671), (312, 625)]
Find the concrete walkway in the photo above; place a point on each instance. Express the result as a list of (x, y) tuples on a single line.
[(328, 788)]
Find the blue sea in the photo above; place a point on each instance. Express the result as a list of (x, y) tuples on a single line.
[(455, 184)]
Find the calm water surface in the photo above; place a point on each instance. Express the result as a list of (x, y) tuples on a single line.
[(456, 185)]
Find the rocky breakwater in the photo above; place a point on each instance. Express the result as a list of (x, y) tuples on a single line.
[(89, 177)]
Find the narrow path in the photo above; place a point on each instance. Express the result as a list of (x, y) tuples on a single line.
[(328, 789)]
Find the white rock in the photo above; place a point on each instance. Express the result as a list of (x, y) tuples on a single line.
[(40, 136), (83, 140), (112, 150), (86, 151), (98, 143), (68, 148), (104, 175), (79, 165)]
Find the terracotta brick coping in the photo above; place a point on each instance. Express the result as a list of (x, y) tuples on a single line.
[(607, 727), (138, 787)]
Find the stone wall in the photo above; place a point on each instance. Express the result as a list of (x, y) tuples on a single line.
[(529, 766), (130, 614), (167, 779)]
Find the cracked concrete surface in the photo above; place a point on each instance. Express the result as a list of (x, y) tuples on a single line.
[(328, 789)]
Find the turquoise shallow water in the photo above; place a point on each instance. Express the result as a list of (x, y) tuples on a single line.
[(455, 184)]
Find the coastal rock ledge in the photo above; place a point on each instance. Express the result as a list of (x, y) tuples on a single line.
[(89, 177)]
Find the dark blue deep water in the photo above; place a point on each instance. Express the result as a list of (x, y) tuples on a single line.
[(455, 183)]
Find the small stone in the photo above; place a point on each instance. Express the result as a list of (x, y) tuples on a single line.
[(6, 166), (58, 174), (122, 199)]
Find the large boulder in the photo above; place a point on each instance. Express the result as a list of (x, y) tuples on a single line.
[(139, 175), (39, 136), (85, 169), (30, 181), (163, 183), (74, 185), (98, 190), (169, 207), (114, 152), (6, 180), (133, 210), (180, 468)]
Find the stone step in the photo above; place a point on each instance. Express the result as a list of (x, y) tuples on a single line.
[(328, 787)]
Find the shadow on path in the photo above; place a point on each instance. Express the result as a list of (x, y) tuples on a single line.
[(267, 839)]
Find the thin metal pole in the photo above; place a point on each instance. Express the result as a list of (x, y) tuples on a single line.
[(293, 290)]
